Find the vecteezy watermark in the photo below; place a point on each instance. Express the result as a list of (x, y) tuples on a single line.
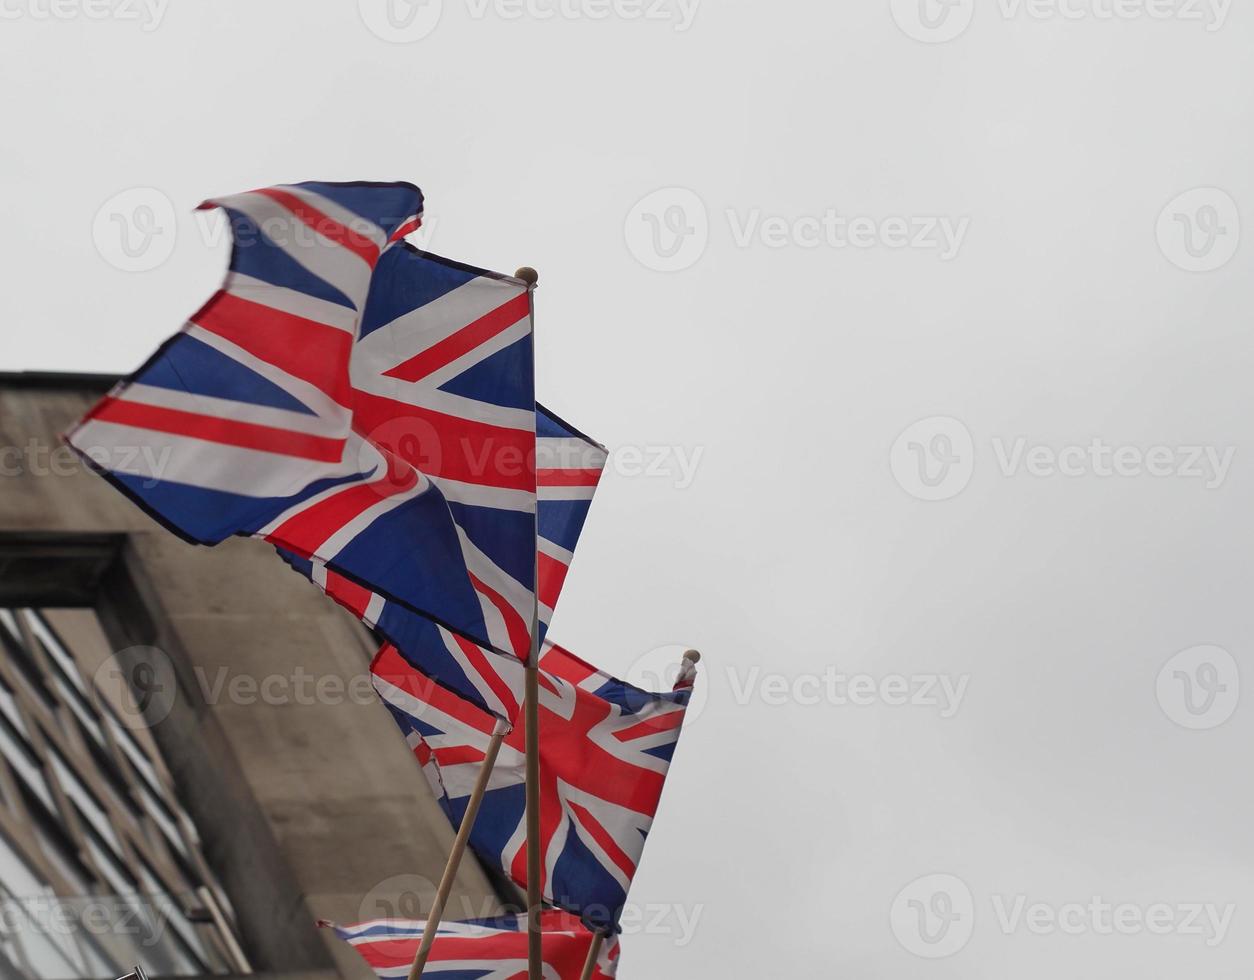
[(413, 442), (411, 896), (1210, 14), (39, 459), (301, 687), (938, 21), (838, 689), (934, 459), (829, 228), (1096, 916), (1199, 688), (933, 21), (147, 13), (676, 464), (935, 916), (668, 230), (832, 687), (143, 684), (405, 896), (406, 21), (1200, 230), (142, 919), (136, 229), (400, 21)]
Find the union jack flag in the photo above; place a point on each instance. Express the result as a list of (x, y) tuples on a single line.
[(352, 400), (605, 750), (483, 949), (568, 468)]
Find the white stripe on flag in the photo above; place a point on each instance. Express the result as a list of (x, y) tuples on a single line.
[(324, 258), (291, 301)]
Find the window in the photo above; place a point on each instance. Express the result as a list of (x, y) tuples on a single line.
[(100, 867)]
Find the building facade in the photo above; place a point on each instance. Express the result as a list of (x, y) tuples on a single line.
[(193, 768)]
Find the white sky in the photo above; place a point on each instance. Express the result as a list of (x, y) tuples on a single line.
[(1050, 145)]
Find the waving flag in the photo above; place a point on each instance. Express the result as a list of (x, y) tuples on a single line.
[(322, 392), (605, 749), (484, 949), (568, 468)]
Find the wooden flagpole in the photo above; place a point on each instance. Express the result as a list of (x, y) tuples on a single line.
[(594, 951), (530, 277), (531, 719), (459, 848)]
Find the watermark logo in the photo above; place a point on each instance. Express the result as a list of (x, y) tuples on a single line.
[(1200, 230), (658, 669), (400, 21), (147, 13), (668, 230), (933, 916), (1213, 14), (1199, 688), (1099, 917), (406, 21), (136, 229), (942, 234), (39, 459), (143, 683), (933, 21), (403, 896), (934, 458), (939, 21)]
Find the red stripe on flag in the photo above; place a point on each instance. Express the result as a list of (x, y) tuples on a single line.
[(390, 666), (227, 432), (308, 530), (463, 341), (347, 593), (458, 755), (587, 823), (353, 240), (567, 478), (519, 632), (552, 576), (408, 228), (306, 349), (481, 663), (448, 446), (652, 726)]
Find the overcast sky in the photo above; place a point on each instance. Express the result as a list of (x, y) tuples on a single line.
[(921, 337)]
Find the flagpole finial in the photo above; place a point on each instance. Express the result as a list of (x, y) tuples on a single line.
[(528, 275), (693, 656)]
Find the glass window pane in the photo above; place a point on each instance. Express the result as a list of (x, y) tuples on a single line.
[(159, 936), (8, 705), (80, 708), (109, 866), (22, 759), (84, 800), (54, 649), (64, 859), (134, 753)]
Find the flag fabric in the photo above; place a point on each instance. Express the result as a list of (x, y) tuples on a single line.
[(483, 949), (350, 399), (568, 468), (605, 750)]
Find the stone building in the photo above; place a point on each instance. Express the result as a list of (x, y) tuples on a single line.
[(194, 770)]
